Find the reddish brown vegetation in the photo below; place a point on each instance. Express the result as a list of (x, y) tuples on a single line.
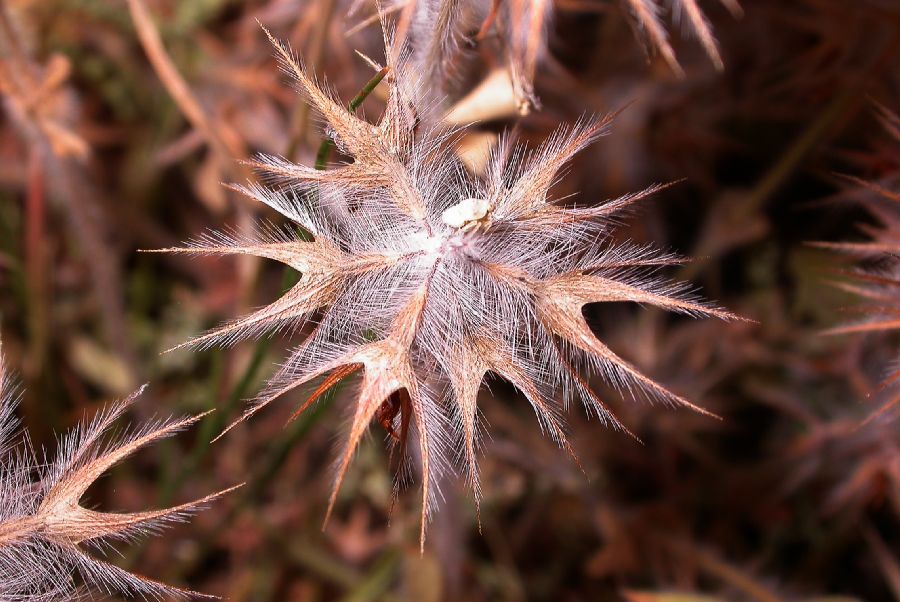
[(121, 121)]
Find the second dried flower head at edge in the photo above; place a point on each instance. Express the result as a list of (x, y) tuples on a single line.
[(425, 279), (45, 532)]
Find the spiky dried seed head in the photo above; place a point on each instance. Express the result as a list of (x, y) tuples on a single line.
[(647, 17), (878, 288), (427, 278), (45, 533)]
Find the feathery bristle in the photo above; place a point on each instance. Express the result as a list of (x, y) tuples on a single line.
[(877, 289), (43, 527)]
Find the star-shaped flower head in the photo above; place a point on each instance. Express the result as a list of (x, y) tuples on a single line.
[(878, 287), (518, 31), (44, 531), (425, 278)]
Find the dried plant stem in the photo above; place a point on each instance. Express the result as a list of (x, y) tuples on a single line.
[(227, 151), (646, 14), (70, 183), (23, 74), (177, 87), (35, 262)]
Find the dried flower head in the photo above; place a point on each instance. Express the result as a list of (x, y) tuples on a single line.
[(647, 16), (518, 30), (425, 279), (878, 286), (43, 528)]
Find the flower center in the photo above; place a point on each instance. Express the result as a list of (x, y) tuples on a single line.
[(466, 213)]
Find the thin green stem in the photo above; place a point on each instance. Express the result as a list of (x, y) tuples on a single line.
[(327, 144)]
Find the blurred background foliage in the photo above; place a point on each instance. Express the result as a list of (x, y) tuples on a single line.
[(121, 121)]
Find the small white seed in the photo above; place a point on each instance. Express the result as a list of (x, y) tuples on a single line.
[(464, 212)]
